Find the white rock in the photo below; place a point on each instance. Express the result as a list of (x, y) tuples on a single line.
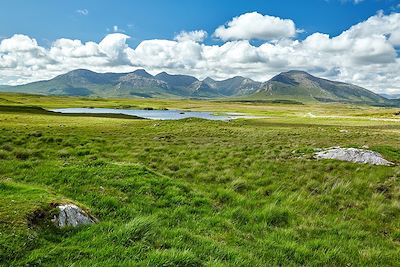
[(72, 215), (353, 155)]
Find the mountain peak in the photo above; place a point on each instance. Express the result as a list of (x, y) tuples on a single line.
[(176, 80), (238, 78), (78, 72), (302, 85), (208, 80), (142, 73), (295, 73)]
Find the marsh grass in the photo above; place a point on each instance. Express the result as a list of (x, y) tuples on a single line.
[(241, 193)]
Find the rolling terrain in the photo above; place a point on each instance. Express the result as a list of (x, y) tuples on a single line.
[(196, 192), (293, 85)]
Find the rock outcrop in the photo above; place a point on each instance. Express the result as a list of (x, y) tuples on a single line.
[(353, 155), (72, 215)]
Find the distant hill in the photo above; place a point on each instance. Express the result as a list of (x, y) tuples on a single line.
[(391, 96), (139, 83), (292, 85), (88, 83), (302, 86), (236, 86)]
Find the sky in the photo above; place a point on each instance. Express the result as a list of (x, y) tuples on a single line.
[(356, 41)]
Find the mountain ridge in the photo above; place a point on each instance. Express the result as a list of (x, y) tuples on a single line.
[(290, 85)]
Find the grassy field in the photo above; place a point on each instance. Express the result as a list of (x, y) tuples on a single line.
[(196, 192)]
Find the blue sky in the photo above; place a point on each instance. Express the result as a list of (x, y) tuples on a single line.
[(48, 20), (355, 41)]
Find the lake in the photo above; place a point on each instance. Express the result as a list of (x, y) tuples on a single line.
[(158, 114)]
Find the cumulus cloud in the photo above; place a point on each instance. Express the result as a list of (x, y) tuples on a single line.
[(366, 54), (256, 26), (23, 60), (116, 49), (21, 52), (18, 43), (373, 41), (165, 54), (195, 36)]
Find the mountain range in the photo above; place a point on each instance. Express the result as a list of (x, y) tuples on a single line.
[(291, 85)]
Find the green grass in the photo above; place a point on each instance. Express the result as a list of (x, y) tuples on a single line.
[(195, 192), (42, 111)]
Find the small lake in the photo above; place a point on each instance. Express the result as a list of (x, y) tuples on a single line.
[(157, 114)]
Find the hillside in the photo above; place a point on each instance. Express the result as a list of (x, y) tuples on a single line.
[(293, 85), (299, 85), (391, 96)]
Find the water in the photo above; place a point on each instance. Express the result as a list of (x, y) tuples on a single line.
[(157, 114)]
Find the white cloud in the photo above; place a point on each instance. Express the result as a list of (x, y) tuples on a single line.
[(366, 54), (256, 26), (23, 60), (195, 36), (370, 42), (66, 48), (21, 52), (115, 48), (159, 54), (18, 43), (83, 12)]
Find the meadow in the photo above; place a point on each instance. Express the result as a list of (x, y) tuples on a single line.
[(194, 192)]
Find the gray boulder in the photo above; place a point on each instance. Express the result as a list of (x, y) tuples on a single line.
[(353, 155), (72, 215)]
